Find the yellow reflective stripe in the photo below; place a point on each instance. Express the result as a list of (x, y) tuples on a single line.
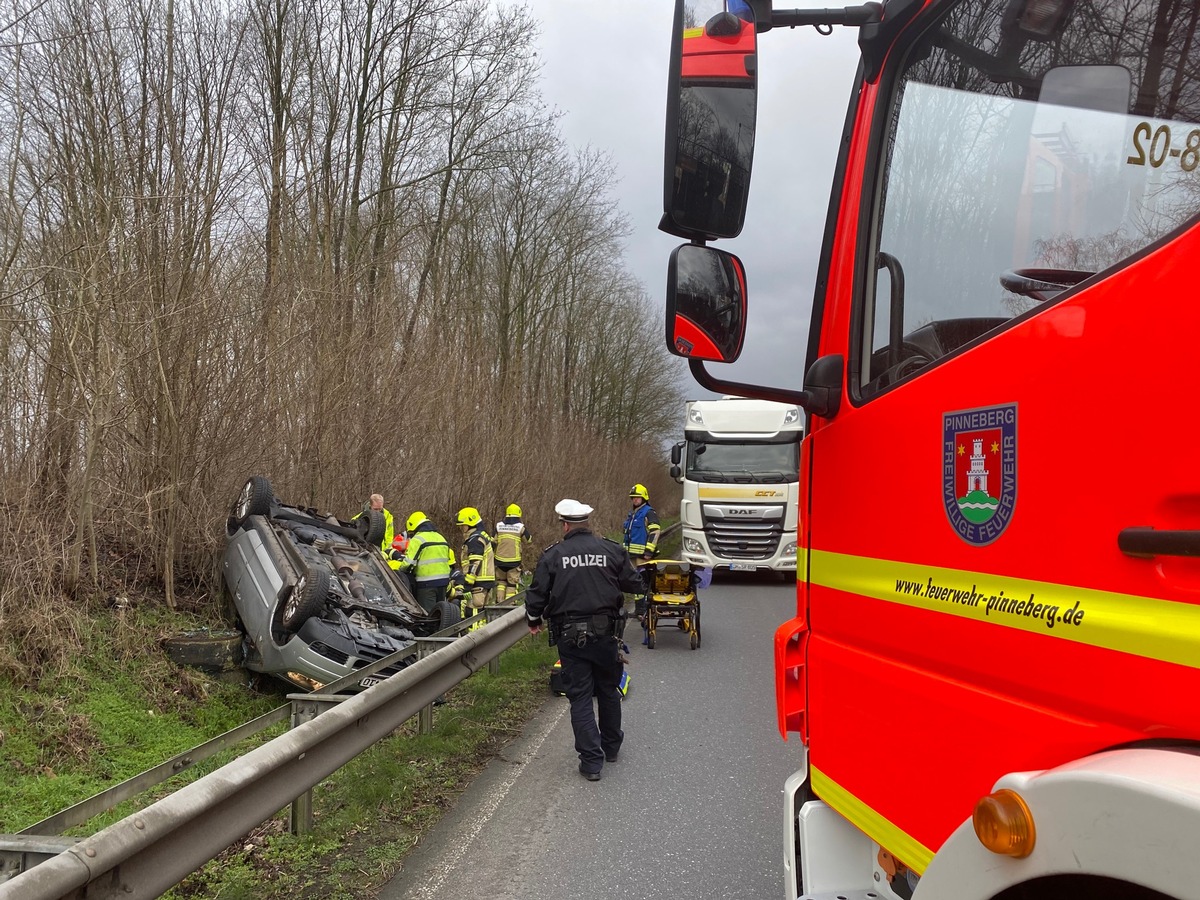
[(1165, 630), (738, 493), (899, 843), (693, 32)]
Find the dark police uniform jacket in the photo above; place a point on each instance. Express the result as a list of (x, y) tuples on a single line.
[(580, 577)]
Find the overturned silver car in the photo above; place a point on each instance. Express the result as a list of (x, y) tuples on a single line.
[(315, 598)]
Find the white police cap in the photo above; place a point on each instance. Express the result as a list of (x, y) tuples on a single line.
[(572, 510)]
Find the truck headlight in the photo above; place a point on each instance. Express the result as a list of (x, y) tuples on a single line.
[(789, 549), (691, 545)]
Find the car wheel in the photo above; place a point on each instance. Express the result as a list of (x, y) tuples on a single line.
[(372, 526), (447, 614), (255, 499), (306, 600)]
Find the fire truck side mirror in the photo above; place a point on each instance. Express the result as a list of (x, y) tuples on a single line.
[(711, 106), (706, 304)]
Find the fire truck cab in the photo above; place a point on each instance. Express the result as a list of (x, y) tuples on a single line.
[(994, 666)]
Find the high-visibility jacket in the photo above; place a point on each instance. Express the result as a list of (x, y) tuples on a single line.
[(641, 531), (479, 559), (510, 532), (429, 557)]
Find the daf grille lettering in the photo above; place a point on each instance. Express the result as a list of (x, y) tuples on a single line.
[(741, 512)]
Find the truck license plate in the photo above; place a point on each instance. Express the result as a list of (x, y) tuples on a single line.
[(743, 567)]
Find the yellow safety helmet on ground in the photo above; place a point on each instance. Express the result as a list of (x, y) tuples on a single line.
[(513, 510), (468, 516), (639, 490), (414, 520)]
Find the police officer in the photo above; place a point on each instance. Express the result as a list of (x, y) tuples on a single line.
[(577, 586)]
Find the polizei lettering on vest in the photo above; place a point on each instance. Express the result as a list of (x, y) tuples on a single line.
[(581, 560)]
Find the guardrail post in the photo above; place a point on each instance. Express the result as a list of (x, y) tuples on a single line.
[(425, 713), (491, 613), (300, 819)]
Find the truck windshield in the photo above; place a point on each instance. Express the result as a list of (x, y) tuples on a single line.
[(752, 463), (1031, 146)]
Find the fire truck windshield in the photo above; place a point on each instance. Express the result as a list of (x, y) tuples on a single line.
[(1024, 157)]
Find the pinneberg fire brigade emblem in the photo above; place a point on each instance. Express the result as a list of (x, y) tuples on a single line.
[(979, 471)]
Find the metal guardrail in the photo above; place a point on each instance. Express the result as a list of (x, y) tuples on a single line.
[(152, 850), (120, 859), (669, 531)]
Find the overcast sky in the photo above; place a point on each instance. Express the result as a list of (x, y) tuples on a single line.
[(604, 66)]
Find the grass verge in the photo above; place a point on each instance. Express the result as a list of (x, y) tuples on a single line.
[(121, 707)]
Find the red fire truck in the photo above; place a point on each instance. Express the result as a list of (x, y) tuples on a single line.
[(994, 666)]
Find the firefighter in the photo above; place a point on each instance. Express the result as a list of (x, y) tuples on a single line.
[(478, 562), (641, 538), (511, 536), (641, 526), (427, 561), (577, 586)]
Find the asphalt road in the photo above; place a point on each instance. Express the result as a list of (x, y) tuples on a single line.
[(691, 809)]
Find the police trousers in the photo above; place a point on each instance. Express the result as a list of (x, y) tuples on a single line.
[(593, 670)]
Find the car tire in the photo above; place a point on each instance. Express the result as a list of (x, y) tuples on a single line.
[(447, 614), (306, 600), (254, 499), (372, 526)]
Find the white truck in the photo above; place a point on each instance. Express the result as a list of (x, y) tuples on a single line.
[(739, 466)]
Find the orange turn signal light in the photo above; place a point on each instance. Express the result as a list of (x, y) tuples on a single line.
[(1004, 824)]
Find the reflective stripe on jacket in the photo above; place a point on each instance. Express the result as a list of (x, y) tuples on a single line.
[(641, 531), (429, 557), (509, 534), (479, 559)]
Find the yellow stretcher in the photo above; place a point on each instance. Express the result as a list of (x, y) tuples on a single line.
[(671, 595)]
